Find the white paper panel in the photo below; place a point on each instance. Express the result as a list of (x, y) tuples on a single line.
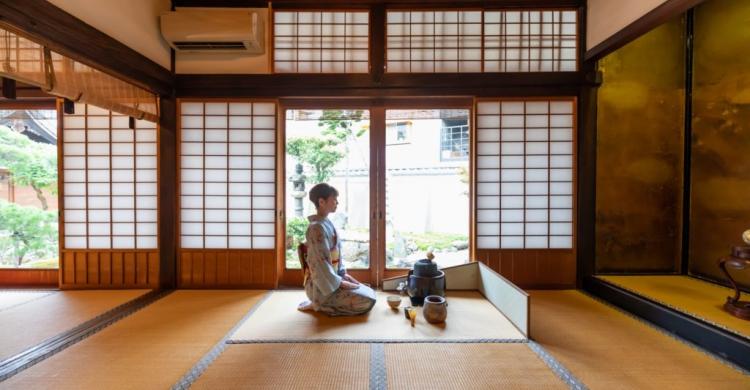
[(147, 242), (263, 242), (218, 242), (74, 242), (241, 216), (191, 241), (146, 202), (263, 202), (123, 242), (74, 162)]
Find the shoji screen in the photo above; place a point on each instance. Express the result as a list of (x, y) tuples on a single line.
[(109, 197), (227, 193), (525, 166), (321, 42), (482, 41), (434, 41), (530, 41)]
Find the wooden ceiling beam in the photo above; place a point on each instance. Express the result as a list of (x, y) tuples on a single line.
[(330, 85), (62, 32)]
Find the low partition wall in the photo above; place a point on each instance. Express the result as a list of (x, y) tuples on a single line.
[(503, 294)]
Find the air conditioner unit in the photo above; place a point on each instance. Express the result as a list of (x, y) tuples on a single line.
[(214, 30)]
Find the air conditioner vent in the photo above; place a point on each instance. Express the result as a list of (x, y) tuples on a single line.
[(238, 31), (211, 46)]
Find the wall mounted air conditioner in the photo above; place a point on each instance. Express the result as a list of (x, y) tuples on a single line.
[(214, 30)]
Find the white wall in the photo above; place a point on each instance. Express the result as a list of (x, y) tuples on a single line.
[(606, 17), (134, 23)]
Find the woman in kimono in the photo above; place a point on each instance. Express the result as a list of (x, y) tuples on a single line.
[(329, 288)]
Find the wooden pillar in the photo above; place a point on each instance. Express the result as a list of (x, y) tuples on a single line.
[(167, 192)]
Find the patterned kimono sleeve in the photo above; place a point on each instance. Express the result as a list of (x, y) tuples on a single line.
[(319, 260), (342, 268)]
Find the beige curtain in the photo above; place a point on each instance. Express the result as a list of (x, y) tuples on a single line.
[(79, 82), (22, 59), (31, 63)]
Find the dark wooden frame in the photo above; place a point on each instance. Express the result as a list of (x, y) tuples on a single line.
[(377, 272)]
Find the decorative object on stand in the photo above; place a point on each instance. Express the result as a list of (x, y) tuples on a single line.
[(425, 279), (435, 309), (738, 260)]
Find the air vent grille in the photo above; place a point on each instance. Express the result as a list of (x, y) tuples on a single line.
[(210, 46)]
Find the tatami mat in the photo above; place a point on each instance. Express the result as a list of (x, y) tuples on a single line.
[(470, 317), (150, 349), (607, 349), (9, 299), (693, 296), (289, 366), (467, 366), (28, 324)]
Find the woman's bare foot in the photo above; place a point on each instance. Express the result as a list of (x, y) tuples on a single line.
[(305, 306)]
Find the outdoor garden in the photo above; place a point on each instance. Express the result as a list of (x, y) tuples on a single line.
[(333, 146), (28, 234)]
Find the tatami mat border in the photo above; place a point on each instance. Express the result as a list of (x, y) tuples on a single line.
[(29, 301), (677, 309), (668, 333), (23, 360), (378, 372), (197, 370), (378, 341), (557, 367)]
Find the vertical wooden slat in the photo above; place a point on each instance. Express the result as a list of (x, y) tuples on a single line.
[(154, 268), (234, 261), (141, 269), (105, 269), (209, 269), (92, 271), (198, 259), (246, 268), (269, 274), (69, 268), (80, 268), (128, 275), (186, 269), (222, 269), (257, 269), (118, 269)]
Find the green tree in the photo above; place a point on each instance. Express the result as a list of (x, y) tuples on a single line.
[(30, 163), (339, 125), (26, 231), (320, 154)]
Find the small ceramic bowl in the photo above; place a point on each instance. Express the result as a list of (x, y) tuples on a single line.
[(394, 301)]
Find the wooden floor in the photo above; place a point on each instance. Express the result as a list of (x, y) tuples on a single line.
[(191, 338)]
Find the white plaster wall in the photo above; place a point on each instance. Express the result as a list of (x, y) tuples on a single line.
[(606, 17), (134, 23)]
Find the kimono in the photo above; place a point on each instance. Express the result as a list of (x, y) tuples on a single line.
[(323, 284)]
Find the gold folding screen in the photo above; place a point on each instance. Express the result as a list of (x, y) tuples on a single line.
[(720, 167), (640, 142)]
